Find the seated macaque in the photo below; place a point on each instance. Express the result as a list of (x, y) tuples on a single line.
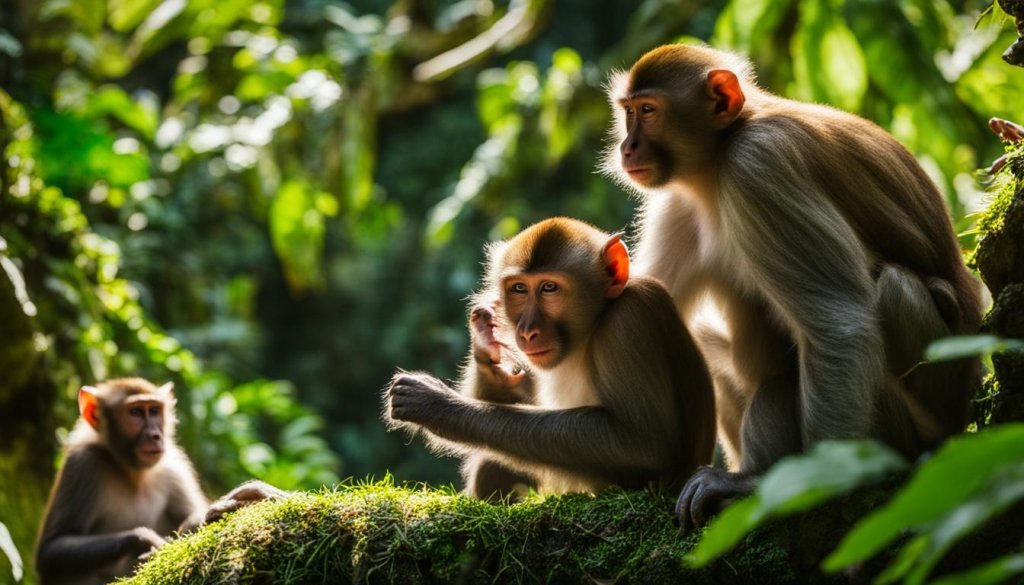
[(125, 487), (612, 390)]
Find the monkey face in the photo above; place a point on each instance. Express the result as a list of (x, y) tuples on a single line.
[(642, 158), (141, 420), (539, 307)]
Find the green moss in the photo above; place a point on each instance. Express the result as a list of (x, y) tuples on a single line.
[(381, 533), (1013, 176)]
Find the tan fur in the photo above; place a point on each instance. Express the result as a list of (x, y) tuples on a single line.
[(629, 403), (786, 220), (87, 534)]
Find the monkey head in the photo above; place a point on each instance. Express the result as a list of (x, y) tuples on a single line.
[(670, 110), (133, 417), (554, 279)]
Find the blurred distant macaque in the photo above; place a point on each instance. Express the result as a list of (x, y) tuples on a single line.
[(125, 486)]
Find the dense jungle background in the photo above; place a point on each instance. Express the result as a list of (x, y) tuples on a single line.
[(275, 203)]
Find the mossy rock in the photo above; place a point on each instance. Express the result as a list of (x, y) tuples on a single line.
[(385, 534)]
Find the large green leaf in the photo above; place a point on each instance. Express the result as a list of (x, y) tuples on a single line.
[(829, 64), (965, 466), (297, 233), (742, 24), (796, 484)]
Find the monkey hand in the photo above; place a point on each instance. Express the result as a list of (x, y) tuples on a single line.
[(415, 397), (1007, 131), (142, 540), (488, 349), (707, 493), (248, 493)]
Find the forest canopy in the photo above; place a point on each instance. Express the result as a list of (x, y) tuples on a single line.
[(275, 203)]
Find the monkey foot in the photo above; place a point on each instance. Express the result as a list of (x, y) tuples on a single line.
[(707, 493)]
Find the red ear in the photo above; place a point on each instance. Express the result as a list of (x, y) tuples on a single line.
[(724, 89), (616, 263), (88, 405)]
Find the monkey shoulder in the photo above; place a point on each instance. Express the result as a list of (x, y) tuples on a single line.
[(643, 318)]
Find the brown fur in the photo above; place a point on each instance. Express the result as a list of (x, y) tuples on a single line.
[(820, 242), (628, 401), (104, 509)]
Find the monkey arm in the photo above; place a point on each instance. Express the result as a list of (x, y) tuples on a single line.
[(588, 439), (83, 553), (65, 544)]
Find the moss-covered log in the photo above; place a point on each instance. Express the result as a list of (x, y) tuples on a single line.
[(385, 534)]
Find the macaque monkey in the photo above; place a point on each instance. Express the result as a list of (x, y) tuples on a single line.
[(125, 486), (618, 393), (825, 249)]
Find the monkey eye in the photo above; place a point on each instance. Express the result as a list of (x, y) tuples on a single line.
[(548, 287), (518, 288), (646, 109), (135, 411), (153, 411)]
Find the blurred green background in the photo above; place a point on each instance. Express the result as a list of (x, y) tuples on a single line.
[(276, 203)]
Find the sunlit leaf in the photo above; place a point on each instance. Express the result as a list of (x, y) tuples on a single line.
[(297, 234), (1005, 489), (991, 573), (741, 22), (963, 466), (11, 551), (9, 45), (952, 348), (796, 484), (113, 101), (829, 64), (726, 531), (126, 14)]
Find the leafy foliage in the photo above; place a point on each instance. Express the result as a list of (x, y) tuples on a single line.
[(265, 190)]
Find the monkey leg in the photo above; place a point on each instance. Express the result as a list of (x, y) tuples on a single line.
[(923, 403), (730, 401), (488, 480), (770, 431)]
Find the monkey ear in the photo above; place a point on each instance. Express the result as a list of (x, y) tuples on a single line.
[(88, 405), (724, 90), (167, 390), (616, 263)]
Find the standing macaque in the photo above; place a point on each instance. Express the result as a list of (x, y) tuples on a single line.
[(616, 392), (823, 245), (125, 486)]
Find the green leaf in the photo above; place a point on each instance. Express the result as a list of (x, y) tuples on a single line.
[(828, 63), (952, 348), (111, 100), (297, 233), (9, 549), (963, 466), (742, 24), (726, 531), (127, 14), (796, 484), (992, 573), (1001, 492)]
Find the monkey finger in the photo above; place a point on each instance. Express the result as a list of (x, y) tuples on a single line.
[(998, 164), (683, 518), (1006, 130)]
